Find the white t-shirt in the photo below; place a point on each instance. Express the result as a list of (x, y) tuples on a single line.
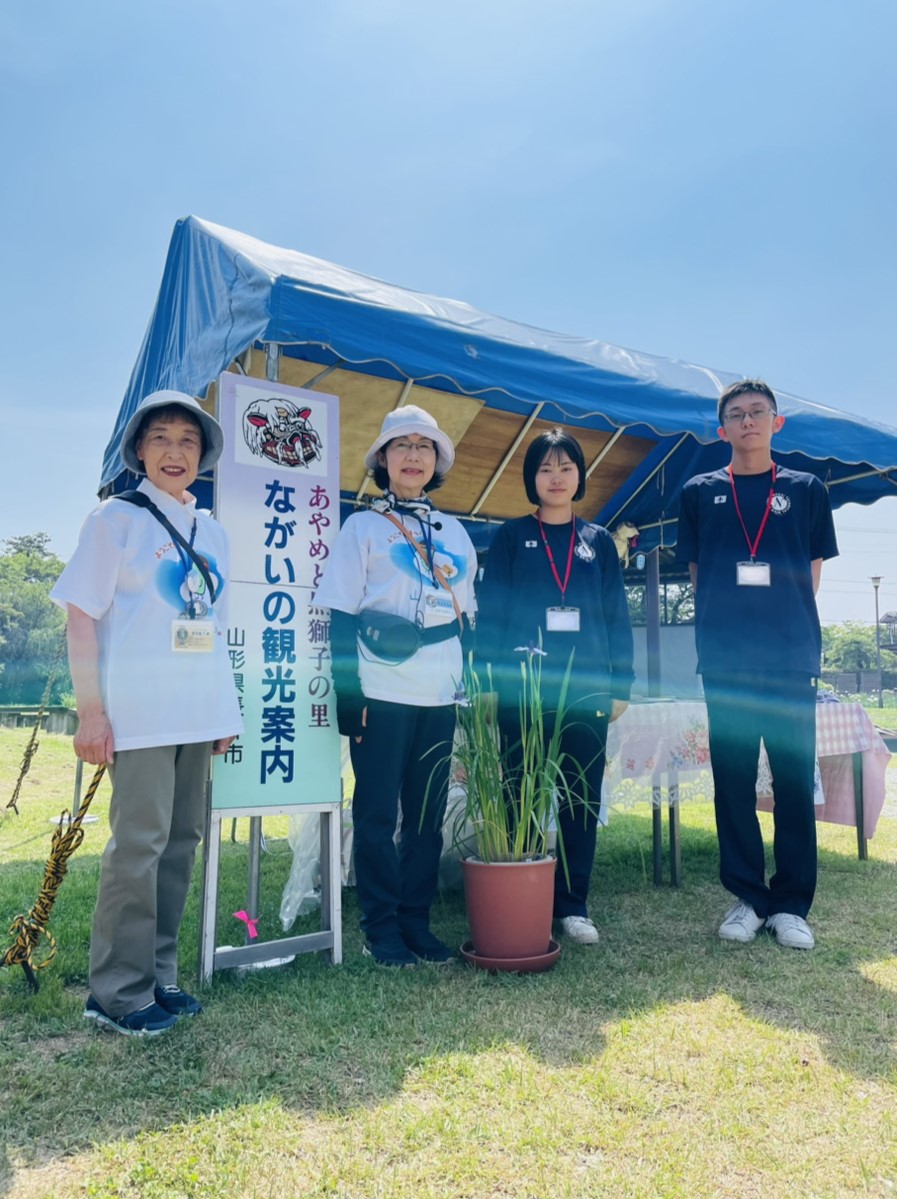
[(128, 575), (372, 565)]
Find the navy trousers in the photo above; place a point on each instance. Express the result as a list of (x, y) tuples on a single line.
[(401, 761), (781, 710)]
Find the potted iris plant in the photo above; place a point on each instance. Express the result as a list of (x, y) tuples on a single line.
[(505, 825)]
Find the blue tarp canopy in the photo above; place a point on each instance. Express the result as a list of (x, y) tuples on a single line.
[(230, 302)]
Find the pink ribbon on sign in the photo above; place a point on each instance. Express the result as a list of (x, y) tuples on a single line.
[(252, 926)]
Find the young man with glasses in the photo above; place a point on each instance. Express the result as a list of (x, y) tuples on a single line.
[(754, 535)]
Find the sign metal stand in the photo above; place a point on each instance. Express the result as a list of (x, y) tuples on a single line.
[(218, 957)]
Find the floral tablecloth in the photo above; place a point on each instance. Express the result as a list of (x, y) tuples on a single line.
[(665, 743), (660, 742)]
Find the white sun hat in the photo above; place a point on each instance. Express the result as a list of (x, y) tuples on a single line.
[(411, 419), (212, 433)]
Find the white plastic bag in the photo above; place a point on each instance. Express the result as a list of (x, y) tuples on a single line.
[(302, 893)]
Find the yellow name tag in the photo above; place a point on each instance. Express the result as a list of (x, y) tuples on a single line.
[(192, 636)]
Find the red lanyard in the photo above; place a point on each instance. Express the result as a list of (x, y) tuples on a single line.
[(554, 569), (752, 546)]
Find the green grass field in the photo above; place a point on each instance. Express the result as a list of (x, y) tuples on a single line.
[(660, 1063), (883, 718)]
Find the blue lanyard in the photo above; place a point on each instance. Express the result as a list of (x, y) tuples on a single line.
[(426, 532), (187, 564)]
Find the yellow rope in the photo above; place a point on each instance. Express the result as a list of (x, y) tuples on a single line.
[(29, 929), (32, 747)]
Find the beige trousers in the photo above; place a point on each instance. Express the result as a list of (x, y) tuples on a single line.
[(157, 816)]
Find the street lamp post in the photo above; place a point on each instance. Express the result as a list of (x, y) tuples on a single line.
[(876, 583)]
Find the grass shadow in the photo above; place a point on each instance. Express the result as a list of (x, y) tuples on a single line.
[(322, 1040)]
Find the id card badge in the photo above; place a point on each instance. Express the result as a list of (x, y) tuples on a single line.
[(438, 608), (752, 574), (562, 620), (192, 636)]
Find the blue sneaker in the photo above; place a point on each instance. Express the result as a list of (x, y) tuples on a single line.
[(148, 1021), (389, 953), (176, 1001), (428, 948)]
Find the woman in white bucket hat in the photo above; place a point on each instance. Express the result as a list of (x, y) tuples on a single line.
[(144, 594), (400, 585)]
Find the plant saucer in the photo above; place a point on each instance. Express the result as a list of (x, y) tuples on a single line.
[(528, 965)]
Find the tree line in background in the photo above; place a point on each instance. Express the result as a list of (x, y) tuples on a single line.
[(31, 625), (677, 603), (851, 647)]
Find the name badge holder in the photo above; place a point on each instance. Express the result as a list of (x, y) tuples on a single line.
[(438, 608), (753, 573), (192, 636), (562, 620)]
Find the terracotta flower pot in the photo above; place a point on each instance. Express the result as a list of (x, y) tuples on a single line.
[(509, 906)]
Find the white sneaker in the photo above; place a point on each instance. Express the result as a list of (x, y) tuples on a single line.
[(741, 923), (579, 929), (791, 931)]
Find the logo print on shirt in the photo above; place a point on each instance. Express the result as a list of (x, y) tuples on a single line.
[(531, 545), (780, 503), (720, 499), (175, 583), (584, 551), (409, 562)]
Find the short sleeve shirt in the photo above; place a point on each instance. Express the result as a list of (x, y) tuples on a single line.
[(755, 629), (373, 566), (126, 573)]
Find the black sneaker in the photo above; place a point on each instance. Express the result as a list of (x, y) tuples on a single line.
[(429, 948), (148, 1021), (389, 953), (176, 1001)]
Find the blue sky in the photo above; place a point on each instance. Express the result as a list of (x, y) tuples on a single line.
[(710, 180)]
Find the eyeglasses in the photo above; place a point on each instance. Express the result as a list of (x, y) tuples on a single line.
[(405, 447), (739, 417)]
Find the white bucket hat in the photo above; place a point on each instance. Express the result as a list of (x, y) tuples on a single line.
[(212, 433), (411, 419)]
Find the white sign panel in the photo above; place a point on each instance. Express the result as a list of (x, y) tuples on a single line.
[(277, 494)]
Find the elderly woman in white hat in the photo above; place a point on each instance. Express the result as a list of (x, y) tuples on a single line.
[(155, 695), (400, 586)]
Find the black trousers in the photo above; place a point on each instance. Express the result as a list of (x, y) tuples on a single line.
[(403, 758), (782, 711), (585, 741)]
